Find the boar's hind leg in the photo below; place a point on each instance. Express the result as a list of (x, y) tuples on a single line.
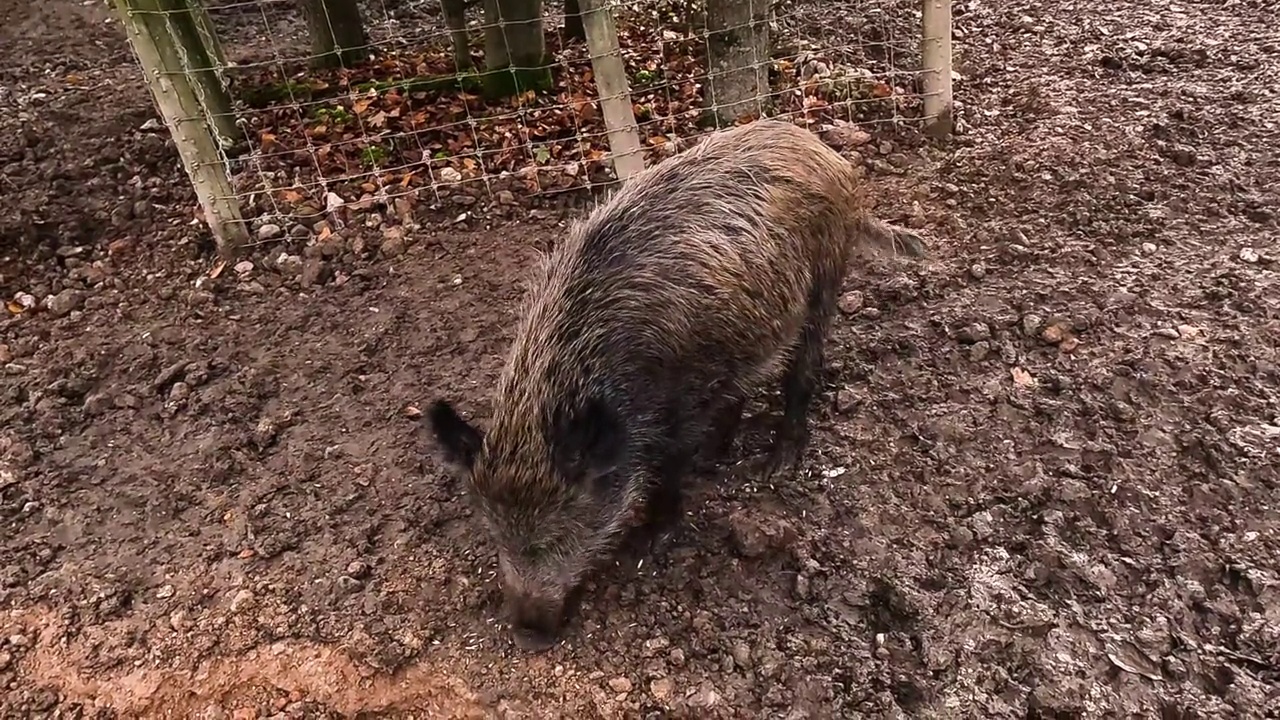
[(801, 380)]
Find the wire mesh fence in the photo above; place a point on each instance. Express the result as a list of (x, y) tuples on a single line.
[(318, 110)]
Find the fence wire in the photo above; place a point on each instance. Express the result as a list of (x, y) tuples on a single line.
[(401, 131)]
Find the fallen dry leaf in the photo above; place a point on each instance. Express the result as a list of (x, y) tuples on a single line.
[(1054, 334), (1126, 656)]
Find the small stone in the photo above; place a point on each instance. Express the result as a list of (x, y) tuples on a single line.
[(1069, 344), (197, 374), (6, 355), (851, 302), (706, 697), (300, 231), (748, 536), (165, 592), (270, 231), (244, 267), (654, 646), (170, 373), (265, 432), (357, 569), (449, 175), (974, 333), (846, 137), (463, 200), (661, 688), (801, 587), (506, 197), (241, 600), (200, 297), (393, 243), (1167, 332), (977, 271), (65, 302), (6, 659), (127, 401), (289, 265), (1031, 324), (846, 400), (179, 392), (1149, 248), (97, 403), (982, 524), (1188, 331), (1123, 411), (870, 313), (348, 584), (330, 247), (620, 685), (1250, 255), (979, 351), (741, 656), (19, 640), (314, 272), (676, 657)]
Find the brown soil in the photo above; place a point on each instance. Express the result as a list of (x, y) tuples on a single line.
[(1044, 486)]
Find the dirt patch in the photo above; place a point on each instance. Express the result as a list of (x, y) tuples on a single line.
[(1043, 484)]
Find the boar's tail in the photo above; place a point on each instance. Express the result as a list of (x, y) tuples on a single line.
[(889, 238)]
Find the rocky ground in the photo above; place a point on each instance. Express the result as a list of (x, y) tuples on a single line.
[(1044, 484)]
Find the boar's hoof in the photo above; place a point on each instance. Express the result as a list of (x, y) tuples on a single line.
[(783, 461)]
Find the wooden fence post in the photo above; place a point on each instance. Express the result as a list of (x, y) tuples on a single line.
[(179, 100), (613, 88), (935, 57)]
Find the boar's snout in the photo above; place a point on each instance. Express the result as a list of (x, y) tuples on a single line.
[(536, 622)]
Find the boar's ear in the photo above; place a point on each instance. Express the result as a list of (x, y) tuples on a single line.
[(589, 441), (459, 441)]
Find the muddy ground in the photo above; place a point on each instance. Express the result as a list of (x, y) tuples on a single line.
[(1044, 483)]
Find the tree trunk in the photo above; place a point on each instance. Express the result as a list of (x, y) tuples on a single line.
[(515, 55), (455, 18), (573, 21), (337, 33), (737, 59)]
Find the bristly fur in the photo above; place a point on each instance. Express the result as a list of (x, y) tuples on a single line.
[(648, 326)]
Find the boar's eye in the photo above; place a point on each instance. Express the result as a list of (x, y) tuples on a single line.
[(535, 552)]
